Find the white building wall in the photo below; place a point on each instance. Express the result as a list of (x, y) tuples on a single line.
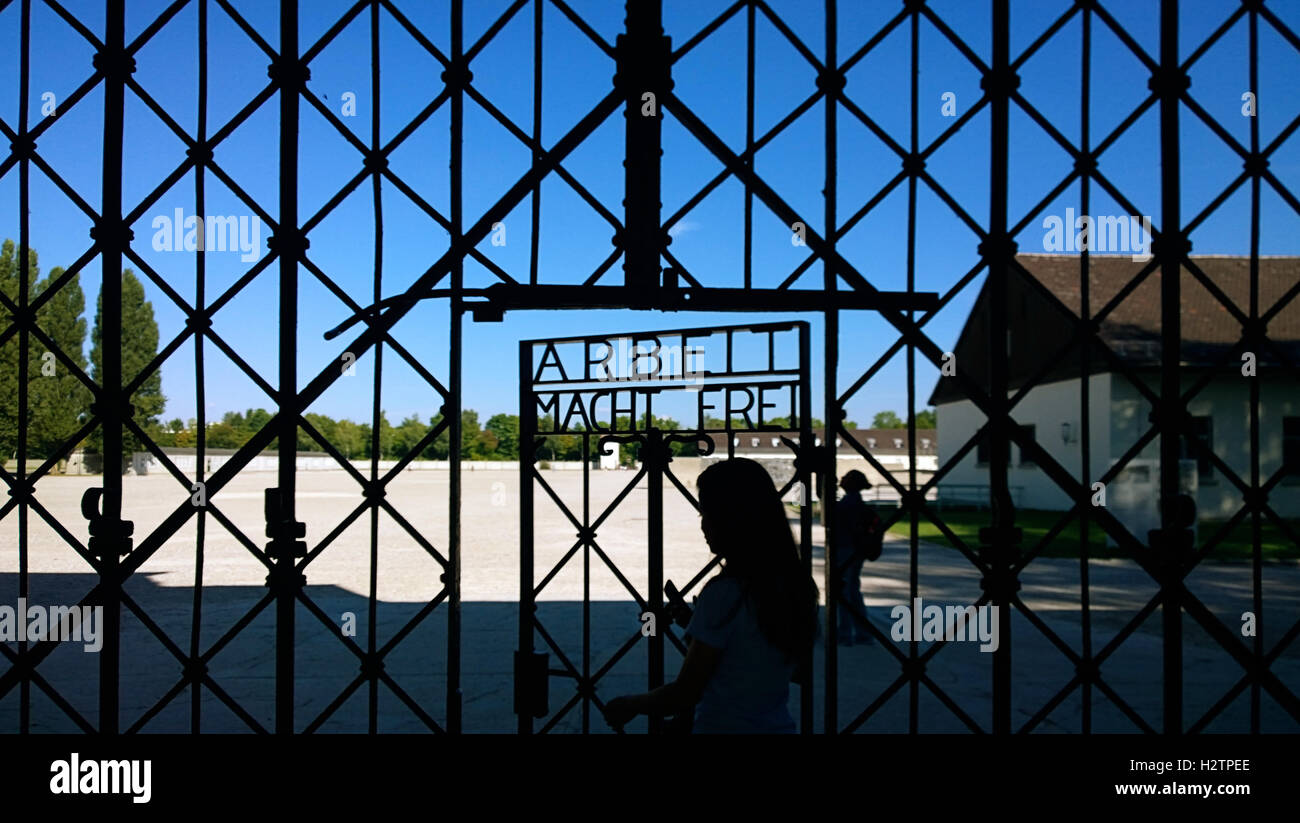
[(1227, 402), (1045, 407)]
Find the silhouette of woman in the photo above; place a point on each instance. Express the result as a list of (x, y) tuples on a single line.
[(753, 622)]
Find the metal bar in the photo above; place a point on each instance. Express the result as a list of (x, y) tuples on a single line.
[(644, 68), (535, 237), (501, 297), (655, 452), (1257, 582), (377, 380), (24, 345), (1085, 374), (807, 691), (748, 253), (454, 400), (586, 584), (1000, 255), (112, 401), (200, 390), (527, 598), (914, 553), (826, 492), (1169, 250), (288, 383)]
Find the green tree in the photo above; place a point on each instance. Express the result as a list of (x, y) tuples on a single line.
[(56, 399), (59, 400), (887, 420), (350, 438), (926, 419), (784, 423), (484, 446), (223, 436), (11, 280), (385, 438), (324, 424), (505, 428), (139, 347), (469, 430), (438, 449), (406, 436)]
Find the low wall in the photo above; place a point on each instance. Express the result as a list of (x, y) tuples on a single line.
[(144, 462)]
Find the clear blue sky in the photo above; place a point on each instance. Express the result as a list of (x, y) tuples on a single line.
[(574, 239)]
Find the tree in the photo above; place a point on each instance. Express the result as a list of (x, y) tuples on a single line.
[(505, 428), (927, 419), (887, 420), (385, 437), (468, 434), (56, 398), (223, 436), (438, 449), (59, 400), (323, 424), (484, 446), (350, 438), (10, 284), (139, 346), (407, 436), (779, 422)]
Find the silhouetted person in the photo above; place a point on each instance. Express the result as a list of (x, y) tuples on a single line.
[(857, 540), (753, 623)]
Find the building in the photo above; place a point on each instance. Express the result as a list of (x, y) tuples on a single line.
[(889, 447), (1118, 409)]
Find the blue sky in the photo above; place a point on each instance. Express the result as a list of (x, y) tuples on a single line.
[(573, 238)]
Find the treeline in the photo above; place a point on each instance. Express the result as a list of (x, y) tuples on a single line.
[(890, 420), (497, 439), (58, 400)]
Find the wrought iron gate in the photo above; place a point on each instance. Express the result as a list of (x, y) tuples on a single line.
[(642, 59), (605, 398)]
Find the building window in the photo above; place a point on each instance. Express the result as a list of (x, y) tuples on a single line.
[(871, 442), (1291, 447), (1202, 430), (1029, 432)]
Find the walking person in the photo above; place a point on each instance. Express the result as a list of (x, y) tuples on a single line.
[(858, 538), (753, 623)]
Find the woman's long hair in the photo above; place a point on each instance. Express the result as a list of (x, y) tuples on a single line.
[(748, 528)]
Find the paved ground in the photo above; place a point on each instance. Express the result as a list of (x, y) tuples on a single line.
[(407, 577)]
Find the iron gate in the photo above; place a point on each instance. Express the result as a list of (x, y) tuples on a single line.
[(643, 58), (628, 372)]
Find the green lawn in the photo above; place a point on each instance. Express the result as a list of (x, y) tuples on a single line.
[(1237, 546)]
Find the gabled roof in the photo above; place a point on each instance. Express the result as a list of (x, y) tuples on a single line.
[(1039, 328), (876, 441)]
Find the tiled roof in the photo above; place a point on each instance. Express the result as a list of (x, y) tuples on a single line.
[(1132, 328), (876, 441), (1204, 318)]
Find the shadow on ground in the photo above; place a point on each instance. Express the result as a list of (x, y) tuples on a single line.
[(331, 695)]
